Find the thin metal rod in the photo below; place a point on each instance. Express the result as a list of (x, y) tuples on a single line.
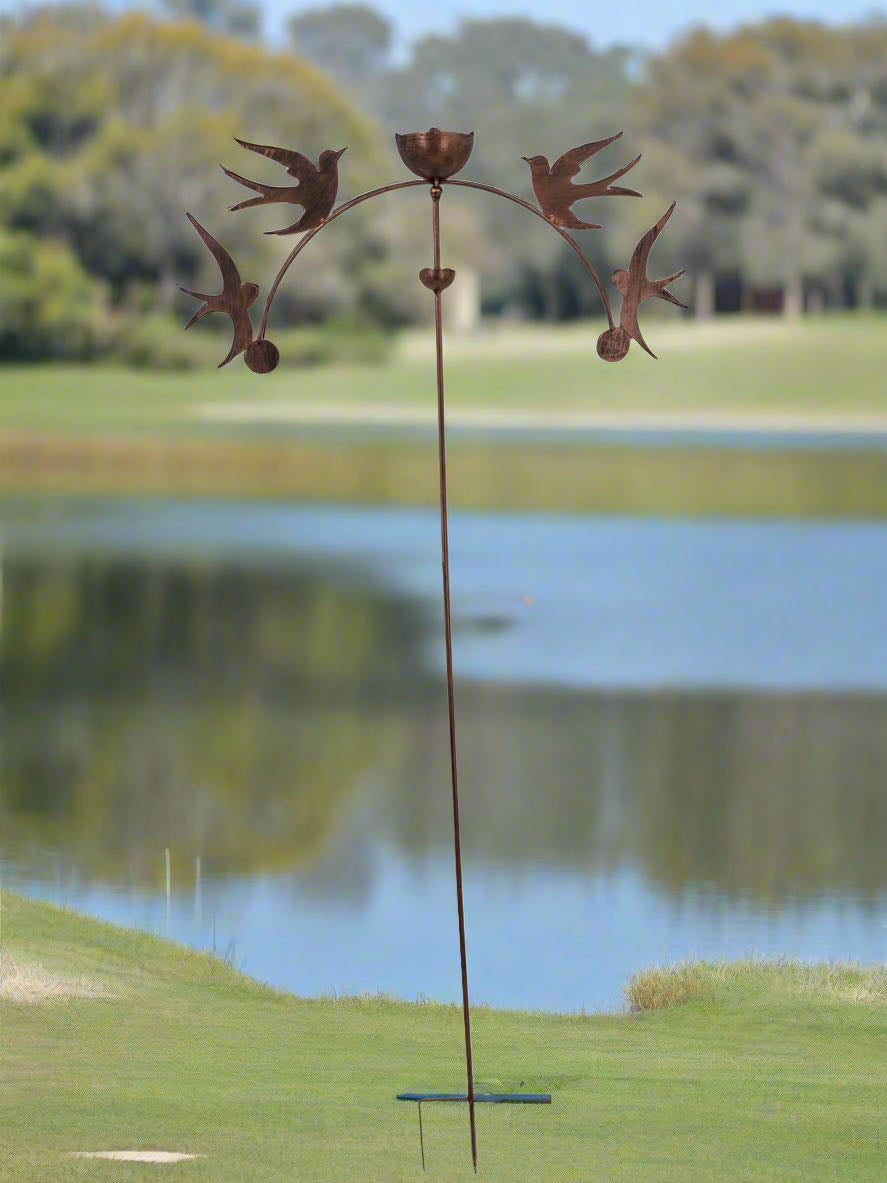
[(343, 208), (559, 229), (421, 1140), (445, 564)]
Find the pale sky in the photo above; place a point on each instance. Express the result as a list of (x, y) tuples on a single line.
[(636, 23)]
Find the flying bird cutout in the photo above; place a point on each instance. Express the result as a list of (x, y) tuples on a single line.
[(635, 287), (234, 299), (315, 192), (556, 191)]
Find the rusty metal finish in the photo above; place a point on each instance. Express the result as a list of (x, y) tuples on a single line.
[(315, 192), (539, 214), (556, 191), (234, 299), (342, 209), (262, 356), (448, 638), (435, 154), (635, 287), (437, 279)]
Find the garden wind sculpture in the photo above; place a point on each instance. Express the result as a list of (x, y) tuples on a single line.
[(435, 157)]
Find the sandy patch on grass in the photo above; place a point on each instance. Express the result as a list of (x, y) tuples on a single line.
[(497, 418), (29, 982), (136, 1155)]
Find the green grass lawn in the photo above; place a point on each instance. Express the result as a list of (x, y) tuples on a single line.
[(110, 431), (826, 364), (765, 1072)]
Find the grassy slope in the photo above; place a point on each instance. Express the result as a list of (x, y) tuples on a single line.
[(830, 364), (108, 431), (102, 430), (755, 1079)]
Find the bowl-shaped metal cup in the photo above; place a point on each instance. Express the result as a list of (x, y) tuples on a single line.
[(435, 154)]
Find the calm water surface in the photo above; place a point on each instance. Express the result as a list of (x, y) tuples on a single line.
[(672, 739)]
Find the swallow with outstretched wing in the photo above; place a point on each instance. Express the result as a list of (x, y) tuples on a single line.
[(234, 299), (556, 191), (315, 192), (635, 286)]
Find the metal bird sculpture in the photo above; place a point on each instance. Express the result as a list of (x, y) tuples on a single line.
[(316, 190), (556, 191), (635, 287), (435, 157), (234, 299)]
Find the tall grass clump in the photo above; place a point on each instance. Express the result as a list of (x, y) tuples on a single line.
[(688, 981)]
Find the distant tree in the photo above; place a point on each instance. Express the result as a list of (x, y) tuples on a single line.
[(114, 126), (49, 306), (237, 18), (760, 136), (523, 88), (350, 41)]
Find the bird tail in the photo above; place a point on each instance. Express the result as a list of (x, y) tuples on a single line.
[(617, 190), (201, 312), (667, 295), (266, 192)]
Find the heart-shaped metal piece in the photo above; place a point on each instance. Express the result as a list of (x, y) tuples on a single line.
[(437, 278)]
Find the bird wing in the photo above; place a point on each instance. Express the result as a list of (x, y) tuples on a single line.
[(570, 163), (227, 266), (628, 319), (295, 163), (637, 268), (243, 333)]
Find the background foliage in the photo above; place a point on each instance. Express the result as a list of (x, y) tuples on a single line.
[(773, 140)]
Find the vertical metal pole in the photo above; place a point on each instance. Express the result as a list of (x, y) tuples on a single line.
[(166, 852), (445, 563), (421, 1140)]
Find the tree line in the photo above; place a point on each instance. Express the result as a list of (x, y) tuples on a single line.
[(772, 139)]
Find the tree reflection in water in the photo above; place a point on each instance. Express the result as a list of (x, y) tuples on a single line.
[(245, 713)]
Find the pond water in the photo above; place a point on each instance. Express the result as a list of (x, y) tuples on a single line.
[(672, 739)]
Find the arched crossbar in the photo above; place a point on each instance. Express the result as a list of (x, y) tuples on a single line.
[(548, 222), (347, 205), (342, 209)]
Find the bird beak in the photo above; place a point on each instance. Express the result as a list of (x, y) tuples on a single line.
[(526, 158), (339, 153)]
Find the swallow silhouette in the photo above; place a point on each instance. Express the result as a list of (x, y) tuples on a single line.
[(556, 191), (316, 190), (635, 286), (234, 298)]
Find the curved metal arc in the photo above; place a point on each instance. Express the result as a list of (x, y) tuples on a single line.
[(347, 205), (341, 209), (539, 214)]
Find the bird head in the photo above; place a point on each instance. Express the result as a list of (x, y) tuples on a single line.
[(620, 278), (248, 293), (537, 163), (329, 158)]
